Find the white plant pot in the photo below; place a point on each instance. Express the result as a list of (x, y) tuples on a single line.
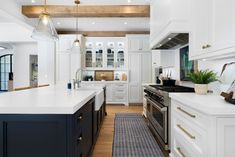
[(201, 88)]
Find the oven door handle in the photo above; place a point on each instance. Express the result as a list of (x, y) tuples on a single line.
[(162, 109)]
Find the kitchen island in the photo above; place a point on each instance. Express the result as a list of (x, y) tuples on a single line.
[(47, 122)]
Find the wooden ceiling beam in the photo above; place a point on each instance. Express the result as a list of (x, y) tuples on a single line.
[(89, 11), (103, 33)]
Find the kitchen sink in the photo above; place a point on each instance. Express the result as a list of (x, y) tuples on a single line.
[(99, 96)]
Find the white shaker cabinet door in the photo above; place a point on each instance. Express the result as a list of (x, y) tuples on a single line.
[(225, 137), (200, 26), (223, 25), (134, 77)]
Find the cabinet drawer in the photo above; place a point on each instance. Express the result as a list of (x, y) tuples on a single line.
[(189, 114), (183, 149), (120, 95), (119, 87), (190, 132)]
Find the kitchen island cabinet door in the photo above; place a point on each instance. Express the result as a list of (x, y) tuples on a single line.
[(33, 136)]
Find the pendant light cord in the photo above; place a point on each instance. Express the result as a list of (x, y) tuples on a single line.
[(77, 20), (45, 6)]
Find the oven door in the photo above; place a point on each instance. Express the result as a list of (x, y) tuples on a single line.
[(159, 118)]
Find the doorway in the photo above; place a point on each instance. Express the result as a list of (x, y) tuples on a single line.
[(6, 71), (33, 61)]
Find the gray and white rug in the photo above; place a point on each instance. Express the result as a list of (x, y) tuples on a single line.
[(132, 137)]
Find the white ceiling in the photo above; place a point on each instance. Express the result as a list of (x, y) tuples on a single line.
[(96, 24)]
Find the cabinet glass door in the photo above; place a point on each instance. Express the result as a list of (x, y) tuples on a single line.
[(110, 58), (120, 59), (99, 58), (99, 55), (88, 58)]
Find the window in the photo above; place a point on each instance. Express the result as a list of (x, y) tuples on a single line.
[(5, 68)]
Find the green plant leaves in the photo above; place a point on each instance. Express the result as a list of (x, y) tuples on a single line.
[(203, 77)]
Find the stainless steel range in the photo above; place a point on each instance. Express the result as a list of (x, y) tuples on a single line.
[(158, 107)]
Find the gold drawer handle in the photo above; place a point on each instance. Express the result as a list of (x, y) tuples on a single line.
[(187, 113), (185, 131), (180, 151)]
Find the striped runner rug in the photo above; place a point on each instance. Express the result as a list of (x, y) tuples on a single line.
[(132, 137)]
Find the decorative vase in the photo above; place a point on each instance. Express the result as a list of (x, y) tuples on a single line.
[(201, 89)]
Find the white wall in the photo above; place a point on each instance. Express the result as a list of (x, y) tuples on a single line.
[(21, 69), (46, 63)]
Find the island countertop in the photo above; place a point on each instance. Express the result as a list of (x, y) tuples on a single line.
[(46, 100)]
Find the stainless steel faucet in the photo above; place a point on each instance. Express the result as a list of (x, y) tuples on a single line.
[(76, 81)]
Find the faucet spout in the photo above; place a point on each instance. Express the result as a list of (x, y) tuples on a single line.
[(77, 80)]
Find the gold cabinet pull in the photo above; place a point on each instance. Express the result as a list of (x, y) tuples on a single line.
[(186, 132), (180, 151), (185, 112)]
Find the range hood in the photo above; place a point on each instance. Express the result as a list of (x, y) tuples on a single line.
[(172, 41)]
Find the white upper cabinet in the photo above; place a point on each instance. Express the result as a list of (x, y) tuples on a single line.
[(166, 17), (105, 53), (213, 29), (138, 43)]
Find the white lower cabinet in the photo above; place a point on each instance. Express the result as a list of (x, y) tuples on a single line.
[(194, 134), (120, 92), (225, 137), (116, 93), (109, 93)]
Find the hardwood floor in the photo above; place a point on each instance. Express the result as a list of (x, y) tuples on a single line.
[(103, 147)]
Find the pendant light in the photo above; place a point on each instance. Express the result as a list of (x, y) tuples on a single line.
[(76, 42), (45, 29)]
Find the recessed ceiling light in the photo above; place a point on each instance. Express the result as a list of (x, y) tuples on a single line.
[(125, 23), (129, 1), (33, 1), (169, 38), (93, 23), (58, 23)]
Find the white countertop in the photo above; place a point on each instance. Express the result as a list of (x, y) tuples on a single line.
[(46, 100), (104, 82), (209, 104)]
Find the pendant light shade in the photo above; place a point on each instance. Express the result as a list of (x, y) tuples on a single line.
[(45, 29)]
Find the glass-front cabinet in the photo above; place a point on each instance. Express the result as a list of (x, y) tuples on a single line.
[(99, 55), (105, 54), (120, 55), (88, 55), (110, 55)]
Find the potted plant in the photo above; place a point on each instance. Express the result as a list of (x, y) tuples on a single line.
[(201, 79)]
